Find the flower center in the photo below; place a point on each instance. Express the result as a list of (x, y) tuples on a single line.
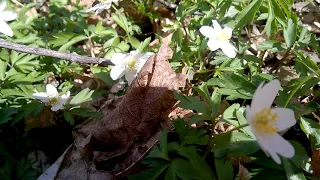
[(265, 121), (225, 35), (132, 64), (53, 100)]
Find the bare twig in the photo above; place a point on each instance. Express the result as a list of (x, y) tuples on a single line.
[(61, 55), (168, 4)]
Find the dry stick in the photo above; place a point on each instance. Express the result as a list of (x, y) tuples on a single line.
[(61, 55)]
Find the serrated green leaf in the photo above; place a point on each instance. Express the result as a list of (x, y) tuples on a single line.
[(83, 96), (133, 41), (312, 130), (152, 174), (160, 151), (290, 33), (72, 41), (143, 45), (189, 102), (246, 16)]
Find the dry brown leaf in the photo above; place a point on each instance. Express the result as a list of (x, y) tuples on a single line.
[(315, 162), (44, 119), (243, 173), (109, 146)]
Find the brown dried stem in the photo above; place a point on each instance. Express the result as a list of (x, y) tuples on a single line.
[(61, 55)]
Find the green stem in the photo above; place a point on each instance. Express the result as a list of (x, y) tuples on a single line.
[(299, 86)]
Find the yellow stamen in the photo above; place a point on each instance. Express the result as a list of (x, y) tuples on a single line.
[(225, 35), (265, 121), (131, 65), (53, 101)]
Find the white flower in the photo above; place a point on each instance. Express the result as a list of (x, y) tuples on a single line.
[(128, 64), (219, 38), (104, 4), (265, 122), (6, 16), (52, 97)]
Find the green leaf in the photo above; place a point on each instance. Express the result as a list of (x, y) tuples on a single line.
[(85, 112), (213, 101), (143, 45), (6, 113), (246, 16), (189, 102), (312, 130), (195, 160), (293, 172), (223, 7), (234, 143), (272, 45), (224, 169), (4, 60), (242, 120), (271, 25), (304, 65), (290, 33), (152, 174), (133, 41), (230, 112), (72, 41), (104, 31), (184, 169), (181, 127), (260, 158), (301, 157), (122, 21), (83, 96), (68, 117), (160, 151)]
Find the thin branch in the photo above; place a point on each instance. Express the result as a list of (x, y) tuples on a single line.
[(61, 55), (168, 4)]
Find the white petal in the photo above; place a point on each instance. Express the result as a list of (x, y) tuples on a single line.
[(51, 91), (264, 96), (130, 77), (228, 49), (3, 5), (115, 0), (134, 53), (5, 29), (213, 44), (56, 107), (285, 118), (8, 15), (118, 58), (143, 58), (207, 31), (216, 26), (117, 72), (276, 144), (42, 96), (64, 98)]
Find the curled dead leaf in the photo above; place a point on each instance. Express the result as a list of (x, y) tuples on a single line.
[(108, 146)]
